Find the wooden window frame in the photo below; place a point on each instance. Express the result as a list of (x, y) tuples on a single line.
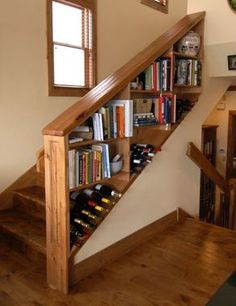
[(158, 6), (67, 90)]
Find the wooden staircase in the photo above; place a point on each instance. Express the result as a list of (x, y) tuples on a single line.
[(23, 218), (23, 226)]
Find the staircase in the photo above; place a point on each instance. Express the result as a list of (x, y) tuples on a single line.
[(24, 225), (23, 217)]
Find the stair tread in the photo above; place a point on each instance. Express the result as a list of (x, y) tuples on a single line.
[(30, 230), (33, 193)]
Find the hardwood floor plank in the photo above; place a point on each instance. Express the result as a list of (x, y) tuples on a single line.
[(184, 266)]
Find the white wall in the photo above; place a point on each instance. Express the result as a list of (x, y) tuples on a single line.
[(124, 28), (172, 180), (218, 61), (220, 20)]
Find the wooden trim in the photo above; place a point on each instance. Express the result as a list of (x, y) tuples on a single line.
[(203, 163), (57, 211), (231, 142), (232, 203), (156, 5), (182, 215), (107, 89), (40, 167), (28, 178), (232, 88), (98, 260)]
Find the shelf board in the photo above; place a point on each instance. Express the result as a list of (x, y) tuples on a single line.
[(121, 176), (92, 141), (149, 92), (187, 86), (181, 55)]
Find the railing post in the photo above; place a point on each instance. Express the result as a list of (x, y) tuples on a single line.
[(232, 203), (57, 211)]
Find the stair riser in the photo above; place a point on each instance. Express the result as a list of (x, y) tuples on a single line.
[(22, 247), (29, 207)]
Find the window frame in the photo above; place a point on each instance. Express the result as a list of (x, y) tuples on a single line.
[(158, 6), (54, 90)]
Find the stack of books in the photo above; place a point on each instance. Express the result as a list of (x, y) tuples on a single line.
[(144, 119), (81, 133)]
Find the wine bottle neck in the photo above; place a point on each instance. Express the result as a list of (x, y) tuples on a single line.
[(116, 194)]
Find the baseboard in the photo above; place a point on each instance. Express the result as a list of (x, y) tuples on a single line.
[(182, 215), (88, 266)]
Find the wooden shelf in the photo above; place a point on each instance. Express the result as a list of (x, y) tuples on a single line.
[(121, 176), (143, 92), (187, 86), (181, 55), (92, 141)]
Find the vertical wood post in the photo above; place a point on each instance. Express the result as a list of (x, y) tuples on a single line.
[(232, 203), (57, 211)]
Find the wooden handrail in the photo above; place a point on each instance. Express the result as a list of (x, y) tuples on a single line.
[(107, 89), (203, 163)]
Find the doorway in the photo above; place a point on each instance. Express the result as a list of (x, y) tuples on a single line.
[(231, 146)]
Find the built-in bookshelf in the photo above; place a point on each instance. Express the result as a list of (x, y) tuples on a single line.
[(146, 111)]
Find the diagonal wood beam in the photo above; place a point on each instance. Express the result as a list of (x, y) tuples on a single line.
[(203, 163)]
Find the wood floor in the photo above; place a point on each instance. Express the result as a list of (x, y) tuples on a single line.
[(185, 266)]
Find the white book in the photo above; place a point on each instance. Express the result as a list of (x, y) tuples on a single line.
[(100, 127), (128, 114), (106, 160), (71, 168), (96, 126)]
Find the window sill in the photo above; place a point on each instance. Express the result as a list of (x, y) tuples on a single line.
[(67, 91)]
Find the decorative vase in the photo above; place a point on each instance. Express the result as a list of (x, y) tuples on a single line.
[(190, 44)]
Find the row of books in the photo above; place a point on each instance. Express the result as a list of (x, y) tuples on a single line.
[(88, 165), (113, 120), (117, 118), (187, 72), (157, 76)]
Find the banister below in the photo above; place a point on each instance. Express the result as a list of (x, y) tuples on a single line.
[(203, 163), (108, 88)]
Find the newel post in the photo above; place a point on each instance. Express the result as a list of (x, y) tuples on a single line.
[(57, 211), (232, 203)]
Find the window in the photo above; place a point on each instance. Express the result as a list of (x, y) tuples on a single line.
[(71, 47), (160, 5)]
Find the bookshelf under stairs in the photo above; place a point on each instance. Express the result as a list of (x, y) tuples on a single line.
[(35, 214)]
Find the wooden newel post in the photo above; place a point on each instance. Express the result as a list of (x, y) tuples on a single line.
[(57, 211), (232, 203)]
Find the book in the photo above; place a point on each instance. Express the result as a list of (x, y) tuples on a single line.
[(84, 135), (127, 116)]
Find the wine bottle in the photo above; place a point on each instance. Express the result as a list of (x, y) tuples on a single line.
[(92, 217), (85, 201), (76, 233), (85, 225), (106, 190), (95, 196)]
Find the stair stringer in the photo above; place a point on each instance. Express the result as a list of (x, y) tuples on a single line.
[(171, 181)]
